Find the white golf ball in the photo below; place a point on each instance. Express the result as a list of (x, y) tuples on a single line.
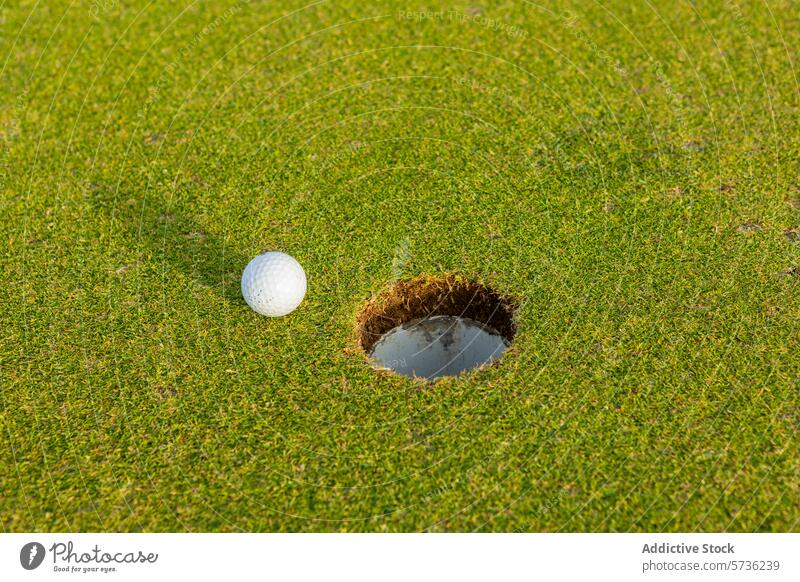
[(273, 284)]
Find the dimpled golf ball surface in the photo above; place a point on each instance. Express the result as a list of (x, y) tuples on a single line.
[(273, 284)]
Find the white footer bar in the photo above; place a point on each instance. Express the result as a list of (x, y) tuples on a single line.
[(388, 557)]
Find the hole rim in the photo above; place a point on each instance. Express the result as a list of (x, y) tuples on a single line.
[(425, 295)]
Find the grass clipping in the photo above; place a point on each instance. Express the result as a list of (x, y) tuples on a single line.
[(427, 296)]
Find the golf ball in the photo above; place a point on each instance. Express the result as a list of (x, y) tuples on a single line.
[(273, 284)]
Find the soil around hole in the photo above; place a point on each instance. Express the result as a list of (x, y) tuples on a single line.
[(427, 296)]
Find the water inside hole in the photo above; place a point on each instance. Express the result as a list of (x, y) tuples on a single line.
[(443, 345)]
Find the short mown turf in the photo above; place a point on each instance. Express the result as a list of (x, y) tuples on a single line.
[(628, 170)]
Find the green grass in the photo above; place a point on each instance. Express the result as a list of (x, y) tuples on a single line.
[(629, 170)]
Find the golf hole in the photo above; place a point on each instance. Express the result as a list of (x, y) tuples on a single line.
[(430, 327)]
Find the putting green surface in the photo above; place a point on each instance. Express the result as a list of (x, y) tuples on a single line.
[(629, 171)]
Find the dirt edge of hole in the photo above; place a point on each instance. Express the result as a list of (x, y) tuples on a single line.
[(427, 296)]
